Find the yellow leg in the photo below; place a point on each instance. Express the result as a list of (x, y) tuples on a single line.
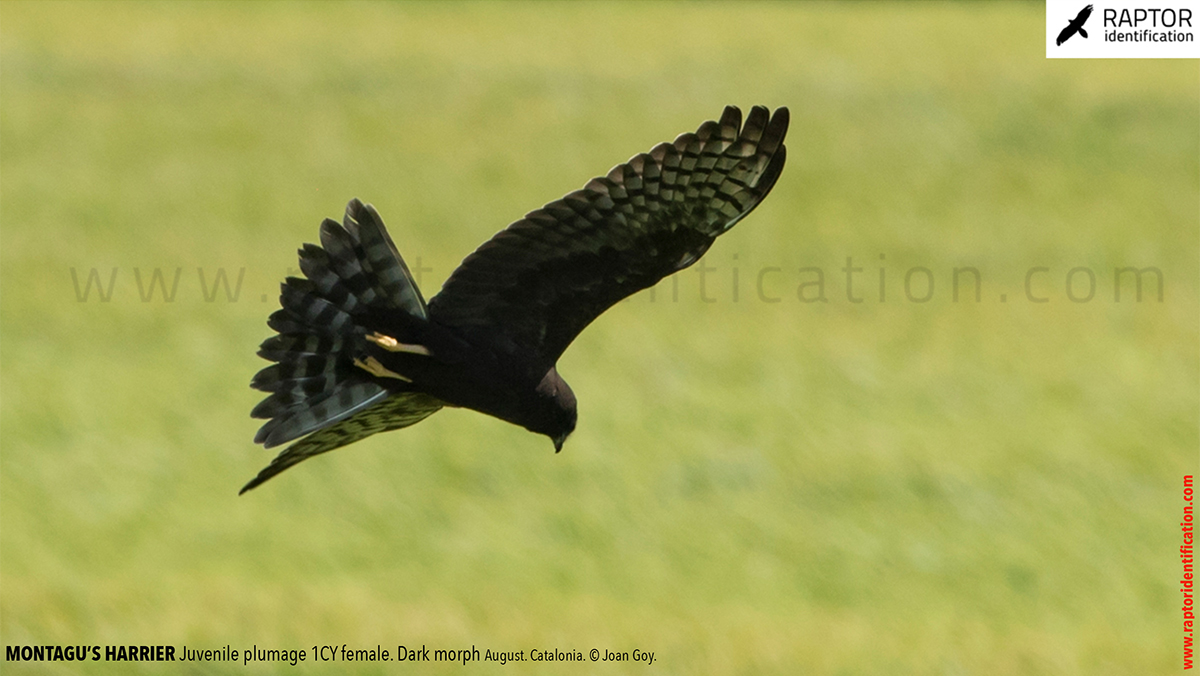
[(392, 345), (372, 366)]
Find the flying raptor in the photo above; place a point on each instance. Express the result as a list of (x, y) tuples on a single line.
[(1076, 26), (359, 351)]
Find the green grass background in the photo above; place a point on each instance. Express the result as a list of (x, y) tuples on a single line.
[(754, 487)]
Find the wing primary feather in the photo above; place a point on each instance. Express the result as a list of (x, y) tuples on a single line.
[(731, 118)]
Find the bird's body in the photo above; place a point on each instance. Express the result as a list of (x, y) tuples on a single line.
[(1075, 26), (360, 352)]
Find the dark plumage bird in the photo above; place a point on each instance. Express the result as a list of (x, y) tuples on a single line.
[(359, 351), (1076, 26)]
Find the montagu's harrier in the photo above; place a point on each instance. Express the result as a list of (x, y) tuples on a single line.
[(359, 351)]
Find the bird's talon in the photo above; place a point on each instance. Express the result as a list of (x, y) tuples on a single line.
[(386, 342), (392, 345), (371, 365)]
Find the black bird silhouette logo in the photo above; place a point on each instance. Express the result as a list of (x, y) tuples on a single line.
[(1076, 26)]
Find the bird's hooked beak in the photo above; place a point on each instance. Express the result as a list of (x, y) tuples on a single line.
[(559, 440)]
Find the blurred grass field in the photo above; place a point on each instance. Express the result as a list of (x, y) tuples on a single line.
[(754, 487)]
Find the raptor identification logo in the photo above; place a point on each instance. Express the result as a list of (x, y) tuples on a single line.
[(1123, 29)]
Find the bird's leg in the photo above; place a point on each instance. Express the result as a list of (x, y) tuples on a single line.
[(392, 345), (372, 366)]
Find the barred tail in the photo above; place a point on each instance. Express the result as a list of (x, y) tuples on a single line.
[(314, 385)]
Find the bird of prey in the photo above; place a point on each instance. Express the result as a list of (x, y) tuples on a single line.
[(359, 351), (1076, 26)]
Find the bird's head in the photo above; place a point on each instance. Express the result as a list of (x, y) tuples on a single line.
[(558, 411)]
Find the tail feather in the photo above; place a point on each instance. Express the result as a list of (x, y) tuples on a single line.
[(376, 250), (291, 394), (276, 347), (312, 373), (344, 262), (286, 323), (314, 383), (300, 299), (321, 411), (318, 267)]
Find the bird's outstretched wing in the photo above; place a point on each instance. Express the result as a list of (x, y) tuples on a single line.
[(399, 410), (529, 290)]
